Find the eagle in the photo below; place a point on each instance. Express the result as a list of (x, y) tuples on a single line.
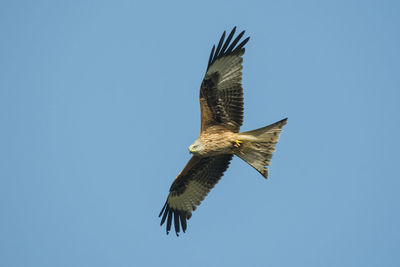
[(221, 106)]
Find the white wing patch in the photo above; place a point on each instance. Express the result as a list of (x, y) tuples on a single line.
[(193, 195), (230, 70)]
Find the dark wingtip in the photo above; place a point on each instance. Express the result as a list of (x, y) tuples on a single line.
[(183, 222), (219, 46), (226, 48), (233, 44), (176, 223), (241, 45), (162, 210), (166, 211), (179, 219), (228, 40), (169, 221), (210, 60)]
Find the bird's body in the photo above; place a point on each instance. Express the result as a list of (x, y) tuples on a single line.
[(221, 104), (216, 140)]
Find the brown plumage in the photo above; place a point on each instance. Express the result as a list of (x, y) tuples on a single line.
[(221, 104)]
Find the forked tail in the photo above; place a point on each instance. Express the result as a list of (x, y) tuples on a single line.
[(259, 145)]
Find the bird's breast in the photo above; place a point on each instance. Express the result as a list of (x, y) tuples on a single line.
[(217, 143)]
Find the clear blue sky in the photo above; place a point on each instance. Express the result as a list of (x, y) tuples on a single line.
[(99, 102)]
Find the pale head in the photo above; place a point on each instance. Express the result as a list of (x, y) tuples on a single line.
[(196, 148)]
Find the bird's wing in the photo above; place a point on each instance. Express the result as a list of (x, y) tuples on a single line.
[(221, 93), (190, 187)]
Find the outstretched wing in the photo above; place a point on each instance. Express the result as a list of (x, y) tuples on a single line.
[(190, 187), (221, 93)]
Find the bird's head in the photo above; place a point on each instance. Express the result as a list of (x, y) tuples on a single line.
[(196, 148)]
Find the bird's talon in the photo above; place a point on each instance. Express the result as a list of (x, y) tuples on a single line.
[(238, 142)]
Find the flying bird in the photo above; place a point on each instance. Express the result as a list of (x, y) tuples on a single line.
[(221, 105)]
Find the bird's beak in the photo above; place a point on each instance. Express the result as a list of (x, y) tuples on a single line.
[(190, 150)]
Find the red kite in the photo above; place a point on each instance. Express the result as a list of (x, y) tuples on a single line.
[(221, 104)]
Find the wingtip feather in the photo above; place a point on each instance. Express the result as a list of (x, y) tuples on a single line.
[(183, 221), (221, 41), (225, 48), (162, 210), (176, 223), (211, 56), (169, 221), (166, 211)]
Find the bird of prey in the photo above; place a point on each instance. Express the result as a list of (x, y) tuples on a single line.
[(221, 105)]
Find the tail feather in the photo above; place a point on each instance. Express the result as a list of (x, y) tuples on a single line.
[(258, 146)]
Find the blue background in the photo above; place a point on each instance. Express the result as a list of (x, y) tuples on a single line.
[(99, 102)]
